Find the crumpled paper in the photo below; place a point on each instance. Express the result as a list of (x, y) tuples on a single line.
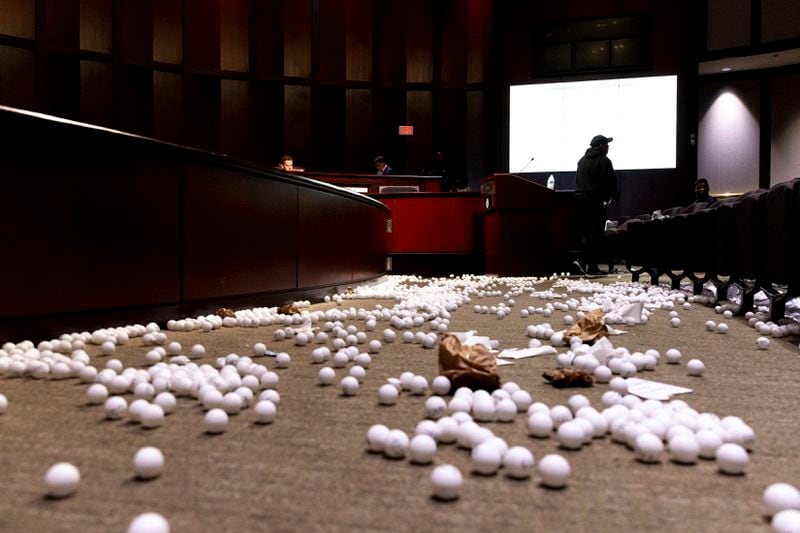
[(568, 377), (467, 366), (589, 328)]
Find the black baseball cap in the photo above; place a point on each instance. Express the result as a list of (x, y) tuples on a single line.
[(597, 140)]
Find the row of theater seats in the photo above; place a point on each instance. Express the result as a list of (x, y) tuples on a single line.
[(752, 242)]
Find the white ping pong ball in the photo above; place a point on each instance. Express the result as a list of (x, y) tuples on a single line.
[(695, 367), (3, 404), (518, 462), (148, 462), (440, 385), (732, 458), (349, 385), (265, 412), (447, 481), (61, 480), (216, 421), (554, 471), (722, 327), (116, 407), (376, 437), (396, 444), (762, 343), (387, 394), (780, 496), (97, 394), (326, 376), (786, 521), (149, 523), (421, 449)]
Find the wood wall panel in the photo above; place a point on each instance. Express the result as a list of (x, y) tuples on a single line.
[(419, 41), (137, 30), (266, 123), (234, 46), (390, 43), (359, 138), (390, 112), (419, 111), (297, 121), (62, 86), (479, 37), (359, 33), (328, 128), (476, 138), (95, 25), (97, 104), (255, 218), (332, 40), (203, 121), (453, 109), (234, 118), (454, 43), (297, 38), (266, 44), (18, 18), (136, 87), (17, 77), (205, 34), (62, 23), (168, 107), (167, 24), (779, 20), (323, 258)]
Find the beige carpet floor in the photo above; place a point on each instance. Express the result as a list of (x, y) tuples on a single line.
[(310, 471)]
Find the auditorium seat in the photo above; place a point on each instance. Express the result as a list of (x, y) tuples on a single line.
[(748, 230), (780, 242)]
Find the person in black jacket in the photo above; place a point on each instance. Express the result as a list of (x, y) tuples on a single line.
[(595, 187)]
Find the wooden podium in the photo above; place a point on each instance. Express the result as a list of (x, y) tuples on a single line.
[(527, 229)]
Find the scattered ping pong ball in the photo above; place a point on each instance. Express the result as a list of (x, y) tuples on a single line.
[(149, 523), (376, 437), (722, 327), (421, 449), (674, 356), (198, 350), (418, 385), (152, 416), (97, 394), (167, 402), (387, 394), (265, 412), (358, 372), (282, 360), (762, 343), (174, 348), (648, 448), (3, 404), (486, 458), (349, 385), (786, 521), (374, 346), (216, 421), (732, 458), (363, 360), (570, 435), (675, 322), (711, 325), (396, 444), (148, 462), (440, 385), (684, 448), (326, 376), (259, 349), (728, 314), (61, 480), (108, 347), (116, 407), (695, 367), (447, 481), (618, 385), (554, 471), (518, 462), (780, 496), (540, 425), (435, 407)]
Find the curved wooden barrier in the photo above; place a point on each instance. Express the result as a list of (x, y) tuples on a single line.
[(102, 227)]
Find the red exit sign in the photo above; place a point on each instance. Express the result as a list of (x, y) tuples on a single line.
[(405, 130)]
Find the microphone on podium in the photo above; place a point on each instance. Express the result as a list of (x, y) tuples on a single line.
[(527, 164)]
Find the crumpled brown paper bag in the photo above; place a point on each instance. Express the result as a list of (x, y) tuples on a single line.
[(467, 366), (589, 328)]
